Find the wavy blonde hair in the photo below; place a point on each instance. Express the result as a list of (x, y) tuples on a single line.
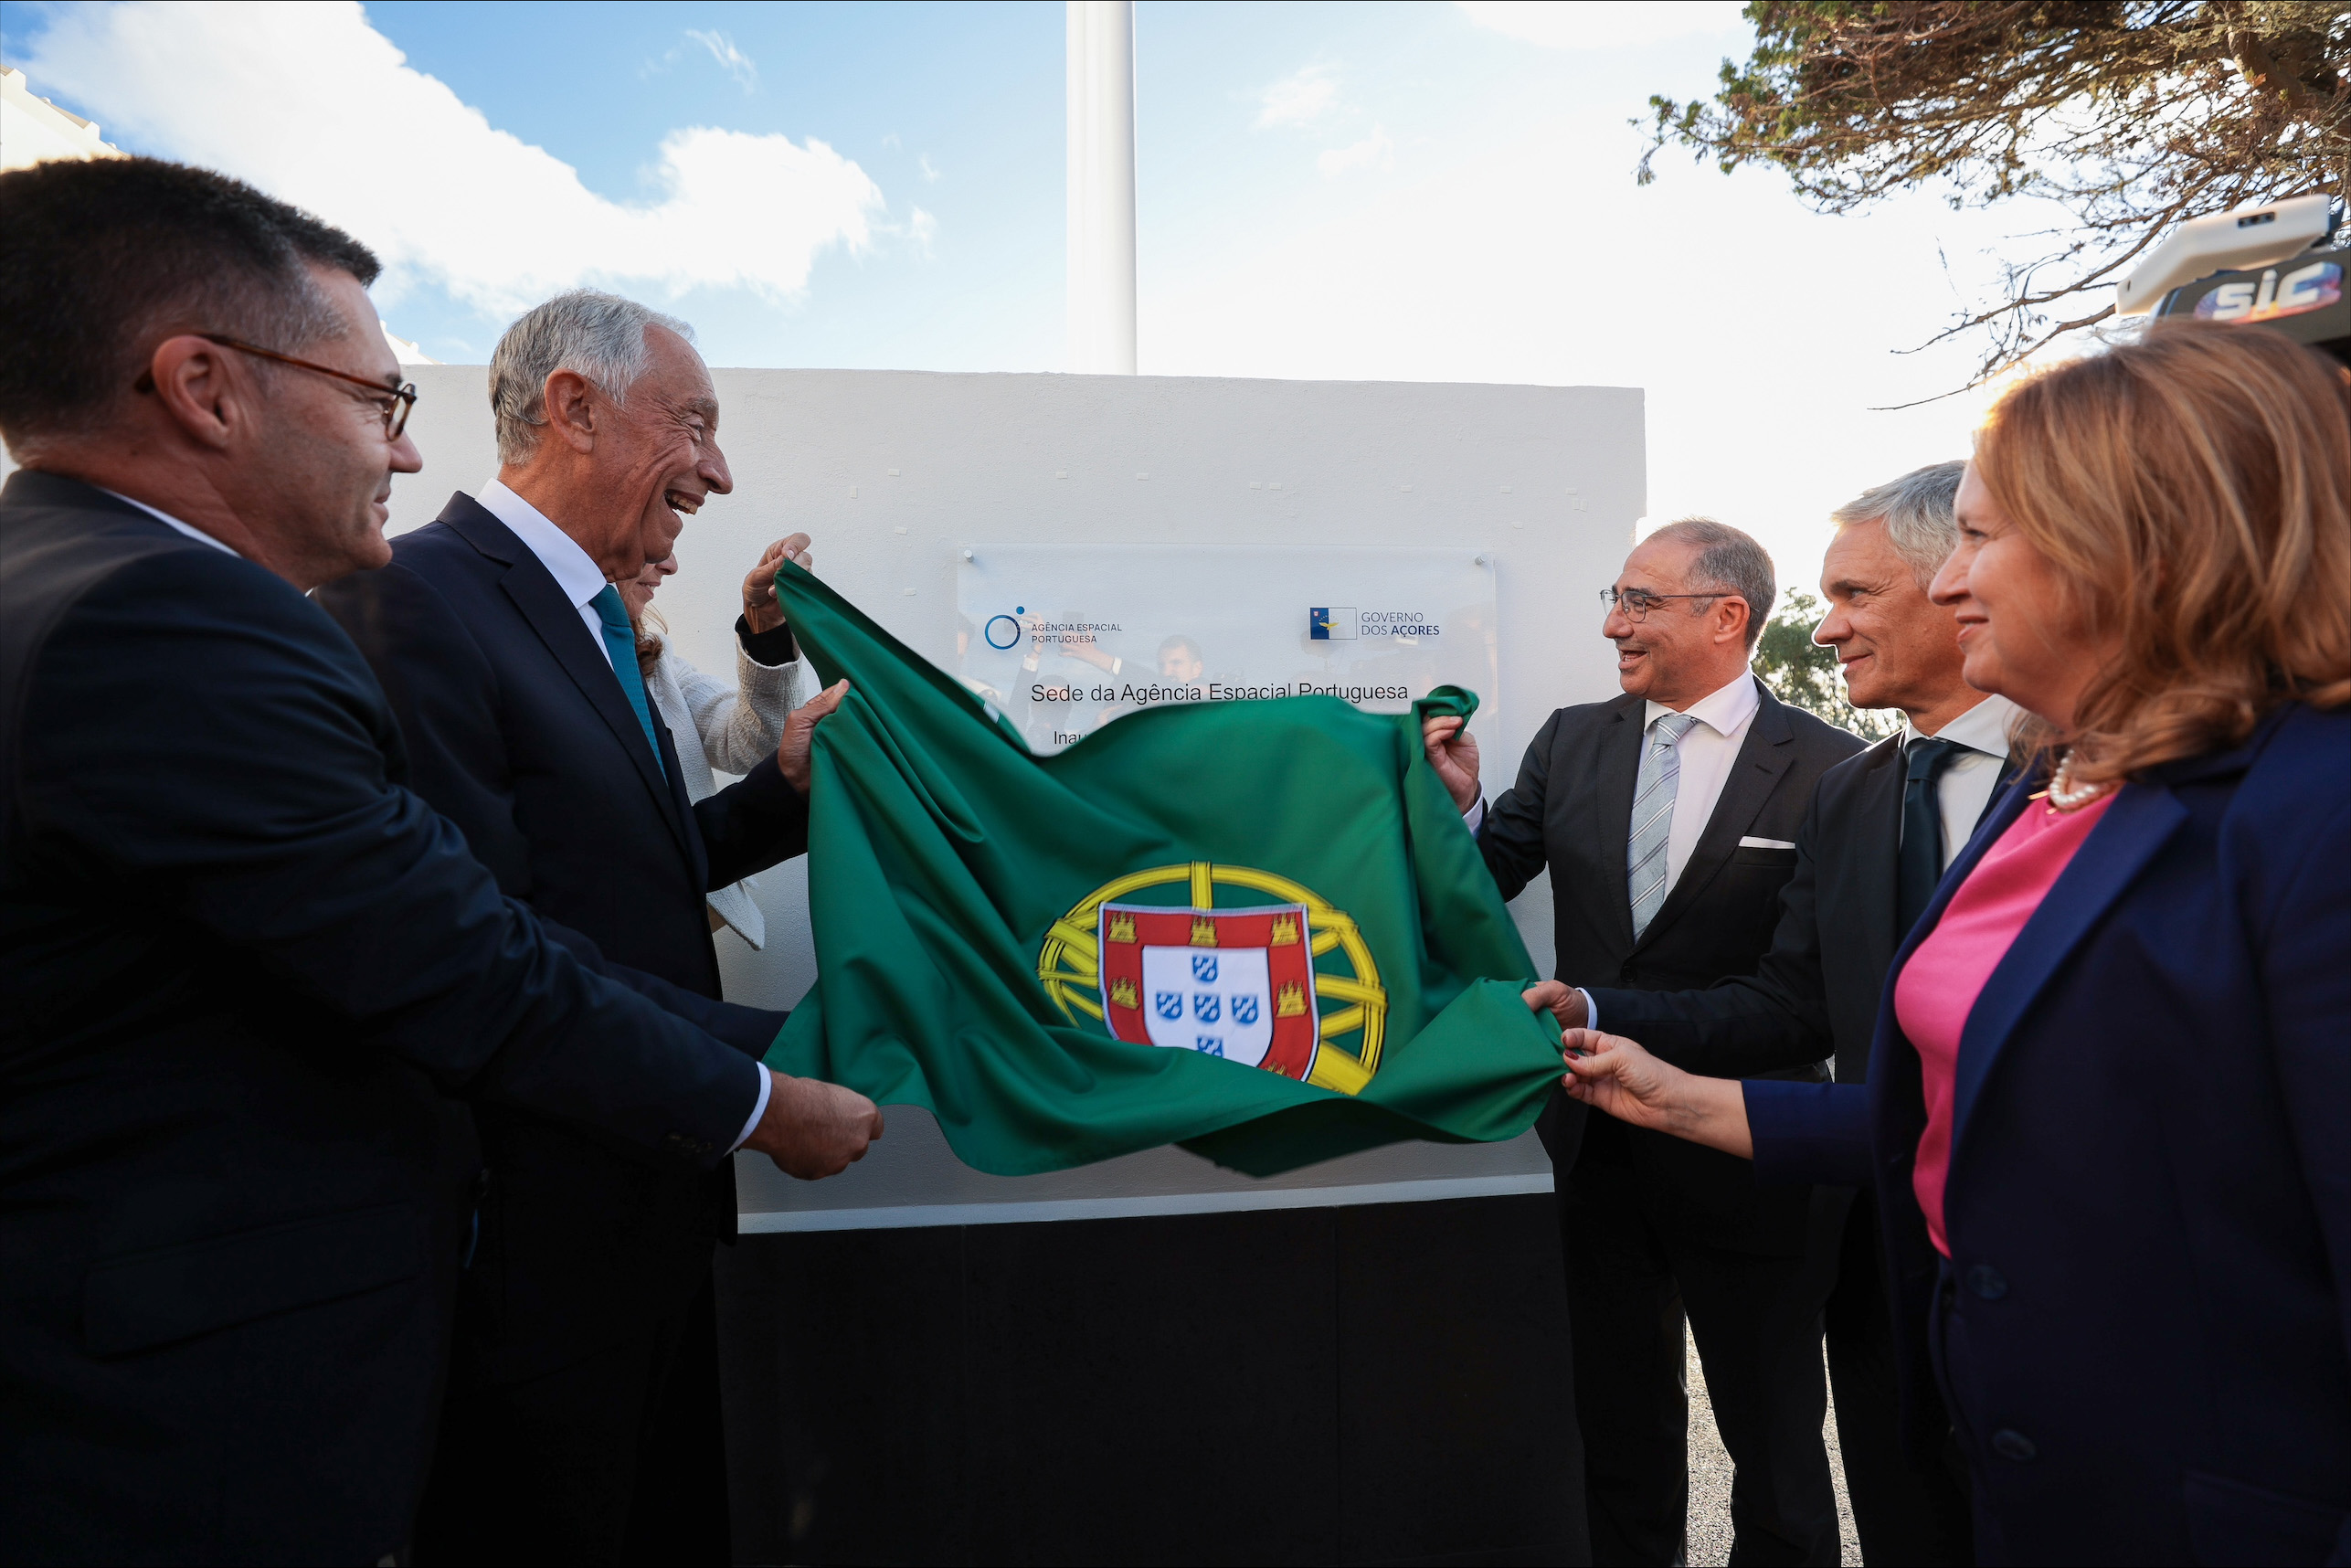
[(2193, 491)]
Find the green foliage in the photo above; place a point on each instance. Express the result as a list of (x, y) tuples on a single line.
[(1801, 672), (2130, 114)]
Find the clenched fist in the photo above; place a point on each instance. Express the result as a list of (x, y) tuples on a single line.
[(760, 610), (814, 1130), (1453, 752)]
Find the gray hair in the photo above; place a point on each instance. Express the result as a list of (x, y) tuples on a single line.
[(1728, 562), (1916, 510), (601, 336)]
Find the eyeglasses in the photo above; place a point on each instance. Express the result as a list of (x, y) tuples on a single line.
[(395, 401), (1637, 603)]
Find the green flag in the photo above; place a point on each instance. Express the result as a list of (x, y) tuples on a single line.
[(1256, 929)]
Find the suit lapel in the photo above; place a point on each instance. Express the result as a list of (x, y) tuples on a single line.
[(1767, 753), (1617, 768), (1875, 852), (2140, 821), (533, 591)]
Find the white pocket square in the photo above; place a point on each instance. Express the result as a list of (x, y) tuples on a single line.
[(1765, 843)]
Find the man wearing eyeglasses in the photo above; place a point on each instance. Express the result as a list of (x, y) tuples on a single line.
[(1668, 818), (241, 964)]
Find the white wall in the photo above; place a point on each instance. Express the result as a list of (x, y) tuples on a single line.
[(892, 472), (33, 130)]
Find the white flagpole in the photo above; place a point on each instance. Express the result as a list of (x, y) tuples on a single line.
[(1102, 187)]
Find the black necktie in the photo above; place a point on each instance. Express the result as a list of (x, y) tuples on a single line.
[(1921, 865)]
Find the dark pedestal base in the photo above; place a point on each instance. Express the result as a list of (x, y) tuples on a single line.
[(1387, 1383)]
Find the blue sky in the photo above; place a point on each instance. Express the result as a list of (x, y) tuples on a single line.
[(1405, 191)]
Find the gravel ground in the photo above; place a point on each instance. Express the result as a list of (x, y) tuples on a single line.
[(1710, 1480)]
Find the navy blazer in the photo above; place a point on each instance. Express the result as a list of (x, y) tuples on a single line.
[(241, 967), (519, 733), (2146, 1348)]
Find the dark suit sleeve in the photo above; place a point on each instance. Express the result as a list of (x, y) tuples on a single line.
[(768, 648), (1776, 1018), (202, 739), (752, 824), (760, 820), (1809, 1134), (750, 1030), (1512, 836)]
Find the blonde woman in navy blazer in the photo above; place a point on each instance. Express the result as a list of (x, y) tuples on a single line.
[(2117, 1196)]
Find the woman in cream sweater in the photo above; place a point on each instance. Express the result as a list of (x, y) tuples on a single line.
[(719, 726)]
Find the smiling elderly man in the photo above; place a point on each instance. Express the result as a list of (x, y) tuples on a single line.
[(583, 1418)]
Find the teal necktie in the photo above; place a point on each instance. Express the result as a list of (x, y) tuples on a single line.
[(621, 641)]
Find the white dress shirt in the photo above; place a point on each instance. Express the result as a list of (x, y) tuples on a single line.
[(1965, 786), (581, 579), (573, 568), (1707, 750)]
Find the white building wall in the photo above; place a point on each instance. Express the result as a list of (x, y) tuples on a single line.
[(33, 130)]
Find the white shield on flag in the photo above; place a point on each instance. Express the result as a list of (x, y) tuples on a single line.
[(1216, 1001)]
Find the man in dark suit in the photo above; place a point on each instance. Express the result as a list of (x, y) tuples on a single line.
[(583, 1422), (240, 965), (1881, 828), (1668, 818)]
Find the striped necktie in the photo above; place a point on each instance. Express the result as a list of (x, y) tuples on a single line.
[(621, 642), (1646, 861)]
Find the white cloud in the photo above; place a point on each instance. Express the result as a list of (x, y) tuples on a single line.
[(1374, 151), (732, 61), (311, 105), (922, 229), (1299, 98), (923, 164), (1604, 24)]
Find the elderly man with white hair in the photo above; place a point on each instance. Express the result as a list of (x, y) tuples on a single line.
[(583, 1417)]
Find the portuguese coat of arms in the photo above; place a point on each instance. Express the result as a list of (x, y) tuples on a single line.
[(1250, 967)]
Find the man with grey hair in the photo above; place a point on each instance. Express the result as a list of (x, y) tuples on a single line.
[(1668, 818), (582, 1421), (1880, 830)]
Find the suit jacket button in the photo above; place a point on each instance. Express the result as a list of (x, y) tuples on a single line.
[(2010, 1443), (1985, 1281)]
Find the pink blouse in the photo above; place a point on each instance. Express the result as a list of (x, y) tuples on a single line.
[(1938, 988)]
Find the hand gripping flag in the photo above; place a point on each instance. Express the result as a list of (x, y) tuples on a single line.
[(1256, 929)]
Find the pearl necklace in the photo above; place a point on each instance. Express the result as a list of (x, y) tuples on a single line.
[(2062, 794)]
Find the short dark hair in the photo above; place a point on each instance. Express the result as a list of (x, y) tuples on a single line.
[(1192, 648), (99, 260)]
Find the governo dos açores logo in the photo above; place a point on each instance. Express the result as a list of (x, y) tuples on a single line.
[(1226, 960)]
